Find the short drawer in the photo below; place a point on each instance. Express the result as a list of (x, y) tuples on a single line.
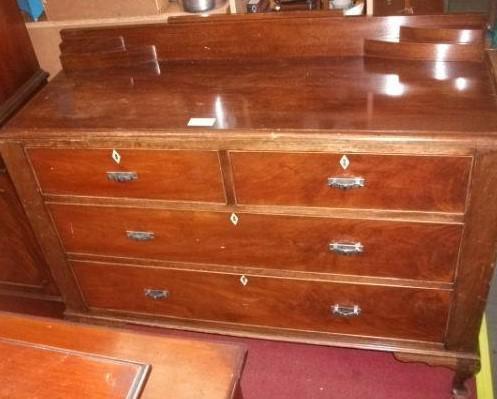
[(398, 182), (149, 174), (379, 311), (421, 251)]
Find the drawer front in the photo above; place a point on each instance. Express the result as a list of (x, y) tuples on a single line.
[(393, 312), (423, 183), (341, 246), (150, 174)]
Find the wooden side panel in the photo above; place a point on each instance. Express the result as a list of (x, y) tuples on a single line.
[(478, 257), (421, 251), (32, 203), (391, 182), (169, 175), (21, 264), (283, 303)]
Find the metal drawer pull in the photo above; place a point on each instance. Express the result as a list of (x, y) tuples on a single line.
[(122, 177), (346, 183), (346, 248), (346, 311), (156, 295), (140, 235)]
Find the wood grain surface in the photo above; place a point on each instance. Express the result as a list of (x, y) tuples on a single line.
[(169, 175), (394, 312), (441, 35), (22, 266), (31, 371), (180, 368), (391, 182), (421, 251), (421, 133)]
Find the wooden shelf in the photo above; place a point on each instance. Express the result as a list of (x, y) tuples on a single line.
[(423, 51), (441, 35)]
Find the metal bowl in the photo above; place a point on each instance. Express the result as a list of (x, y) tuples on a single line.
[(197, 5)]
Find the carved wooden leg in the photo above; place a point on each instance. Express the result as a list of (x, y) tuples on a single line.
[(464, 369)]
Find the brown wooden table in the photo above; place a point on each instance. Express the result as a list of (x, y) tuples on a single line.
[(54, 358)]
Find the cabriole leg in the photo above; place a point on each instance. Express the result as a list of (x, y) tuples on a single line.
[(465, 369)]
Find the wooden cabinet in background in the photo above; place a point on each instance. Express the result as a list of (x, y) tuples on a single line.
[(22, 267), (20, 73)]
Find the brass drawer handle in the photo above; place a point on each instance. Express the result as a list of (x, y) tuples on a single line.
[(156, 295), (140, 235), (346, 311), (346, 248), (122, 177), (346, 183)]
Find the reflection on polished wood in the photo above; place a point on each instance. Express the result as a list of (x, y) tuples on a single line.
[(318, 95), (438, 52), (441, 35)]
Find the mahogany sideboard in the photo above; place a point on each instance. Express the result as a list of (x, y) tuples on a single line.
[(105, 363), (22, 268), (339, 187)]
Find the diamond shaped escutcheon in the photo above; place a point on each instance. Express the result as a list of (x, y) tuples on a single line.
[(344, 162)]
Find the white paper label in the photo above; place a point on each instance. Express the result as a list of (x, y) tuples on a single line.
[(199, 122)]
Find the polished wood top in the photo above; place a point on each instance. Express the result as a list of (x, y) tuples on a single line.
[(180, 368), (33, 371), (334, 94), (317, 73)]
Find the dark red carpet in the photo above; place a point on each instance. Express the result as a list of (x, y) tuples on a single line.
[(278, 370)]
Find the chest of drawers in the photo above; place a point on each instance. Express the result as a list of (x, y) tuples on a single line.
[(321, 216)]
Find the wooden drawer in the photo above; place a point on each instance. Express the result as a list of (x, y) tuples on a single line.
[(423, 183), (160, 174), (389, 249), (395, 312)]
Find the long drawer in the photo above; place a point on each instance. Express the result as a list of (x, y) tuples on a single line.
[(424, 183), (150, 174), (422, 251), (380, 311)]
